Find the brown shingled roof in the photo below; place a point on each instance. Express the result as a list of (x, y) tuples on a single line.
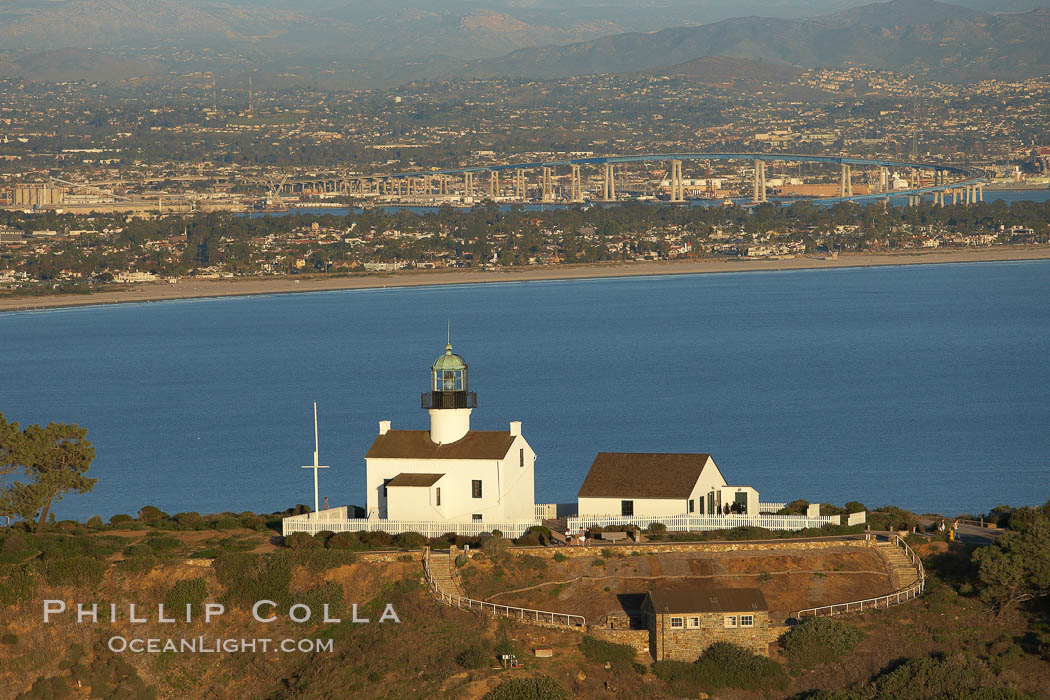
[(642, 475), (705, 600), (416, 444), (406, 479)]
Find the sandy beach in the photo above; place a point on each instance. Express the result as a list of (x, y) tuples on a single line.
[(189, 288)]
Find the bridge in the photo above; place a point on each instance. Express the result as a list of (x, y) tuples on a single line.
[(566, 180)]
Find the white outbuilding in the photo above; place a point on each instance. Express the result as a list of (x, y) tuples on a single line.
[(646, 485)]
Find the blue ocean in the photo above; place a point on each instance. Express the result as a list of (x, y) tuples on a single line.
[(923, 386)]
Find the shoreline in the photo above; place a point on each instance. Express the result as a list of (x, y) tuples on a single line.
[(213, 288)]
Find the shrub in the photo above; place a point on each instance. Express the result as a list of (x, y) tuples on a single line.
[(142, 564), (95, 522), (955, 676), (410, 540), (151, 514), (722, 665), (506, 647), (559, 557), (495, 546), (474, 657), (598, 562), (9, 638), (254, 522), (163, 543), (189, 521), (330, 594), (602, 652), (250, 577), (74, 571), (461, 560), (15, 544), (17, 588), (344, 540), (300, 540), (819, 640), (139, 549), (190, 591), (120, 518), (855, 507), (376, 540), (228, 523), (532, 688), (656, 528)]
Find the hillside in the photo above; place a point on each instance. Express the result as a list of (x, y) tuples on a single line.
[(922, 36)]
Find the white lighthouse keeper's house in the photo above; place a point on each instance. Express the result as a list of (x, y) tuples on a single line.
[(450, 473)]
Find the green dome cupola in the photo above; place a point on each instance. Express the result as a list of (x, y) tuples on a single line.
[(449, 384)]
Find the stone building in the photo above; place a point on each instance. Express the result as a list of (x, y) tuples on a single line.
[(684, 621)]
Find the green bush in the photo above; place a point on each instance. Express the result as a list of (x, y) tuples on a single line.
[(189, 521), (855, 507), (163, 543), (248, 578), (722, 665), (9, 638), (461, 560), (141, 564), (330, 594), (254, 522), (120, 518), (495, 546), (15, 544), (506, 647), (796, 507), (74, 571), (656, 528), (376, 540), (819, 640), (189, 591), (531, 688), (345, 540), (151, 514), (602, 652), (474, 657), (227, 523), (300, 540), (139, 549), (956, 676), (559, 557), (95, 522), (17, 588), (410, 540)]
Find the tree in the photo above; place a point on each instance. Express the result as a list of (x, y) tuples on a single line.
[(1016, 568), (56, 457), (8, 436)]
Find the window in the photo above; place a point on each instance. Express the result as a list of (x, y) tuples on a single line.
[(627, 508), (747, 620), (693, 623), (730, 621), (521, 457), (475, 489), (476, 516), (438, 496), (676, 622), (692, 506)]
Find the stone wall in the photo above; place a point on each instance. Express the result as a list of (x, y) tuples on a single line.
[(639, 639), (595, 550)]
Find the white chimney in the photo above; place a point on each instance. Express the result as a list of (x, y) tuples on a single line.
[(384, 427), (515, 428)]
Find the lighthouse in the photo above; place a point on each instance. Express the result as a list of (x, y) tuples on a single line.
[(451, 472), (450, 400)]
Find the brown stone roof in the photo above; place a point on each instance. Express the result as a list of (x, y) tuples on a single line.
[(706, 600), (416, 444), (406, 479), (642, 475)]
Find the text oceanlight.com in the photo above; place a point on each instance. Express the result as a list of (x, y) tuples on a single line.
[(203, 645)]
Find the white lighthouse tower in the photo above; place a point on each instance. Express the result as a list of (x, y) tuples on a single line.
[(449, 401), (451, 473)]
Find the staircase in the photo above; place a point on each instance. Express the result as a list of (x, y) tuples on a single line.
[(441, 572), (902, 571)]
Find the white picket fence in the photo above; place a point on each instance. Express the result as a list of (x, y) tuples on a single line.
[(770, 507), (312, 523), (696, 523)]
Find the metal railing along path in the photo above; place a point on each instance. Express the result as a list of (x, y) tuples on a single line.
[(909, 592), (523, 614)]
